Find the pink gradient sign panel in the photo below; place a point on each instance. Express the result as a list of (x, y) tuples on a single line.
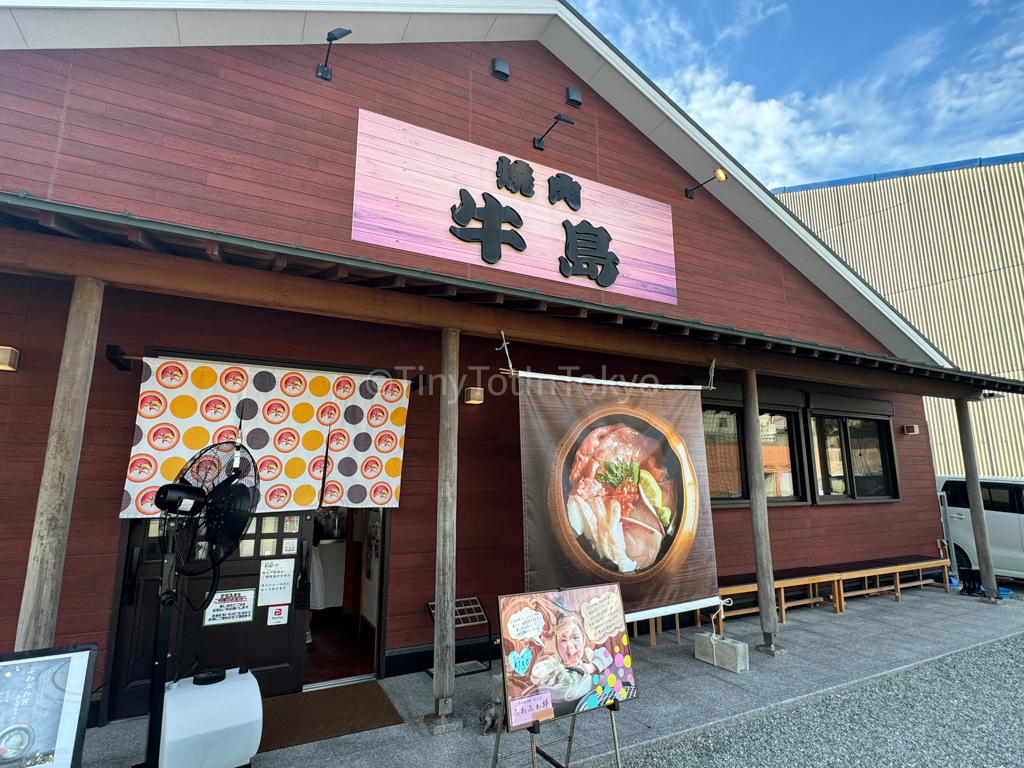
[(408, 179)]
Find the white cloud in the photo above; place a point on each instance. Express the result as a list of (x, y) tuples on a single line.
[(748, 16)]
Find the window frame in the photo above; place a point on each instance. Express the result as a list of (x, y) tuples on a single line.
[(847, 454), (798, 453)]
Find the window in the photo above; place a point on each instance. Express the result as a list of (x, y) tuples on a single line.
[(852, 457), (726, 472), (778, 446), (722, 441), (996, 497), (956, 494)]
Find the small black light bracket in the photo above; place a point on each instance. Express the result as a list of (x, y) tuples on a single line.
[(499, 68), (322, 70), (573, 97), (720, 174), (538, 141), (118, 358)]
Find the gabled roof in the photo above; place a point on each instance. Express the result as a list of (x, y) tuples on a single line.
[(69, 24)]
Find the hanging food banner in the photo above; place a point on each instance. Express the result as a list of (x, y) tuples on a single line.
[(313, 434), (615, 490), (563, 653)]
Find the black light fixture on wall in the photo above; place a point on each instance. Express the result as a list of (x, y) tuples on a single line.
[(322, 70), (720, 174), (538, 141)]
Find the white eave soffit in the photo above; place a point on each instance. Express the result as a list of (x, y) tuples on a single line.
[(68, 24)]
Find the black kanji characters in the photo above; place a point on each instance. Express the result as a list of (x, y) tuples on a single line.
[(562, 186), (587, 254), (515, 176), (490, 235)]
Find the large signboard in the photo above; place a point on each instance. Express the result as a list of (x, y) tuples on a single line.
[(313, 434), (564, 652), (431, 194), (615, 489), (44, 705)]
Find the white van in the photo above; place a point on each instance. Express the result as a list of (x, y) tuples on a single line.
[(1003, 498)]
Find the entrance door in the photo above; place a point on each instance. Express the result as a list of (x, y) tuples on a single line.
[(270, 642)]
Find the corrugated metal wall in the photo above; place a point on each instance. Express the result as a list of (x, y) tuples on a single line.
[(946, 249)]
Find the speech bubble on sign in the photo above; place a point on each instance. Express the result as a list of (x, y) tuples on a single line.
[(526, 623), (602, 617)]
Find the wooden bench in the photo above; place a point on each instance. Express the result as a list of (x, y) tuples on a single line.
[(745, 585), (893, 567), (835, 576)]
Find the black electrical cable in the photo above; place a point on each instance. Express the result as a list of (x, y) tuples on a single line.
[(129, 666)]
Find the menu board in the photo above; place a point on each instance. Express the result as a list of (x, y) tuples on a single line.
[(44, 704)]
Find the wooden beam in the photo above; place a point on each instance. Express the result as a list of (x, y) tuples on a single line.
[(144, 240), (557, 311), (526, 305), (279, 263), (482, 298), (37, 622), (39, 254), (386, 282), (213, 252), (65, 226), (337, 272), (435, 290)]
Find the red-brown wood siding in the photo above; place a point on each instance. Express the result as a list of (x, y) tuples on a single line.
[(248, 140), (33, 314)]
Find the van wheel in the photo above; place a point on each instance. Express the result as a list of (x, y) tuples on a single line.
[(963, 562)]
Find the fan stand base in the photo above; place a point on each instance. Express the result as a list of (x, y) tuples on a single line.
[(158, 678)]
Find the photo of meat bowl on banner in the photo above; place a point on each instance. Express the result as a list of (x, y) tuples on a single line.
[(564, 652), (627, 493)]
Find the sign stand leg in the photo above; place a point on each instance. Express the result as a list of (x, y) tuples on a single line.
[(568, 747), (534, 730), (497, 733), (612, 709)]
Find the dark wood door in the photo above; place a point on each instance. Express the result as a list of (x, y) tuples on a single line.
[(275, 652)]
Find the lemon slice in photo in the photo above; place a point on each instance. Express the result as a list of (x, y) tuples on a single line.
[(649, 488)]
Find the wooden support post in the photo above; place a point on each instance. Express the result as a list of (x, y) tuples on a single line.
[(37, 622), (978, 522), (759, 514), (444, 574)]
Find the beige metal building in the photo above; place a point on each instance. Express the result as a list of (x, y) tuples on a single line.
[(944, 245)]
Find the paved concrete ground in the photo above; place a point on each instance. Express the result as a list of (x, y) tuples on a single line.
[(874, 637)]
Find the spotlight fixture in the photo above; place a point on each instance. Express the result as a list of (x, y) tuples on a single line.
[(573, 97), (499, 68), (720, 174), (538, 141), (9, 359), (322, 70), (473, 395)]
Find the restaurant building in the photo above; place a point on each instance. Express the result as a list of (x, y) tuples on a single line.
[(178, 183)]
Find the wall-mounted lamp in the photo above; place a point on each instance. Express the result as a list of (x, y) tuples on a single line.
[(322, 70), (538, 141), (720, 174), (473, 395), (911, 429), (573, 97), (499, 68), (9, 359)]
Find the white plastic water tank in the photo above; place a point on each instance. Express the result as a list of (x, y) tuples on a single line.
[(216, 725)]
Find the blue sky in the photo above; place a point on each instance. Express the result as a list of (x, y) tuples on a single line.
[(813, 90)]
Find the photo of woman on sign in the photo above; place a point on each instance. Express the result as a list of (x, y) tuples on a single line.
[(564, 652)]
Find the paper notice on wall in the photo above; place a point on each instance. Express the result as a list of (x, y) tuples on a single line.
[(276, 581), (230, 607)]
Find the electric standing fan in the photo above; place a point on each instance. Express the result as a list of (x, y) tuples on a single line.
[(206, 511)]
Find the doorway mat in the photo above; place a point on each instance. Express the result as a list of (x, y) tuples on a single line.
[(299, 718)]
